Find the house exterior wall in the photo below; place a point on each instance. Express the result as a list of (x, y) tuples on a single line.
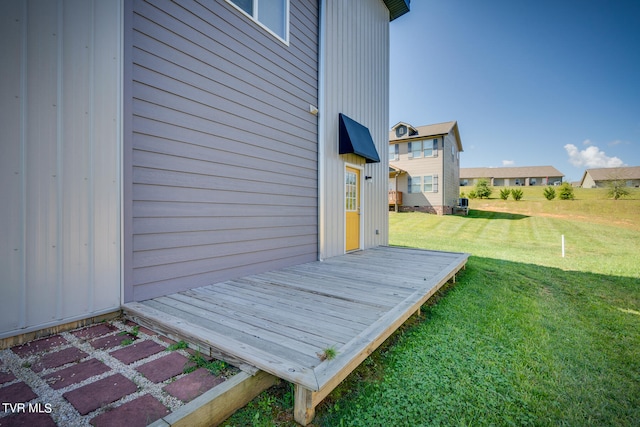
[(220, 149), (588, 181), (419, 167), (451, 174), (59, 162), (355, 82)]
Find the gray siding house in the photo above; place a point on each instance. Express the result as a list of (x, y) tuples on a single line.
[(425, 167), (154, 146)]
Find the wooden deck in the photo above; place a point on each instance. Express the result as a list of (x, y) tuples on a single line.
[(282, 321)]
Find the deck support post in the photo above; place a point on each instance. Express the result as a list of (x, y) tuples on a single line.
[(303, 406)]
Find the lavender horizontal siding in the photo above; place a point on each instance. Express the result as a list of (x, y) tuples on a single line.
[(221, 151)]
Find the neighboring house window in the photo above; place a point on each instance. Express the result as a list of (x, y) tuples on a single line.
[(431, 148), (415, 149), (533, 181), (270, 14), (423, 184), (415, 184), (430, 184), (464, 182), (394, 152)]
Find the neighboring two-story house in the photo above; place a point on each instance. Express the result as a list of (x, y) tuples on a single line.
[(424, 167)]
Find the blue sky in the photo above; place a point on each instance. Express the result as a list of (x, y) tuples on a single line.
[(530, 82)]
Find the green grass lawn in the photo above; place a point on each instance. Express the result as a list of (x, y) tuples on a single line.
[(525, 336)]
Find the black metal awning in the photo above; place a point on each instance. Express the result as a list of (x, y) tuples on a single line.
[(397, 8), (356, 138)]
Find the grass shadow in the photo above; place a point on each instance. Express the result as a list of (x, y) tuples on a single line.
[(483, 214)]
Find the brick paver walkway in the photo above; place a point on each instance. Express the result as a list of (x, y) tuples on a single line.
[(109, 374)]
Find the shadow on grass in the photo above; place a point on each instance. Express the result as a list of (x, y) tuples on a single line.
[(480, 214)]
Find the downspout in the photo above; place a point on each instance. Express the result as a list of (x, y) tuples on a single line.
[(396, 187), (321, 126), (444, 172)]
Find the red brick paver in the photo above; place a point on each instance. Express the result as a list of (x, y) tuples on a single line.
[(139, 412), (94, 395), (193, 385), (94, 331), (137, 351), (111, 341), (43, 344), (59, 358), (6, 377), (75, 374), (67, 361), (17, 393), (27, 419), (163, 368)]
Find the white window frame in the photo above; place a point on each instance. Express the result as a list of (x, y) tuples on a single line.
[(433, 184), (393, 152), (434, 147), (411, 149), (414, 180), (255, 18)]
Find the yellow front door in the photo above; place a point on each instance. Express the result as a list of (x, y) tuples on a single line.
[(352, 207)]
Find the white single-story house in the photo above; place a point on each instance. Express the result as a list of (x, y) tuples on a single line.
[(512, 176)]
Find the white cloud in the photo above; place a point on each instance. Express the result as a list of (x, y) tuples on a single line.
[(617, 142), (508, 163), (586, 142), (591, 157)]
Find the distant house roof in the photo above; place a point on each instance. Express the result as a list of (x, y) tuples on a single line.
[(395, 170), (428, 131), (397, 8), (609, 174), (513, 172)]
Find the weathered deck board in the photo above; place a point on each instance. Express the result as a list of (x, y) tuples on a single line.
[(280, 321)]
